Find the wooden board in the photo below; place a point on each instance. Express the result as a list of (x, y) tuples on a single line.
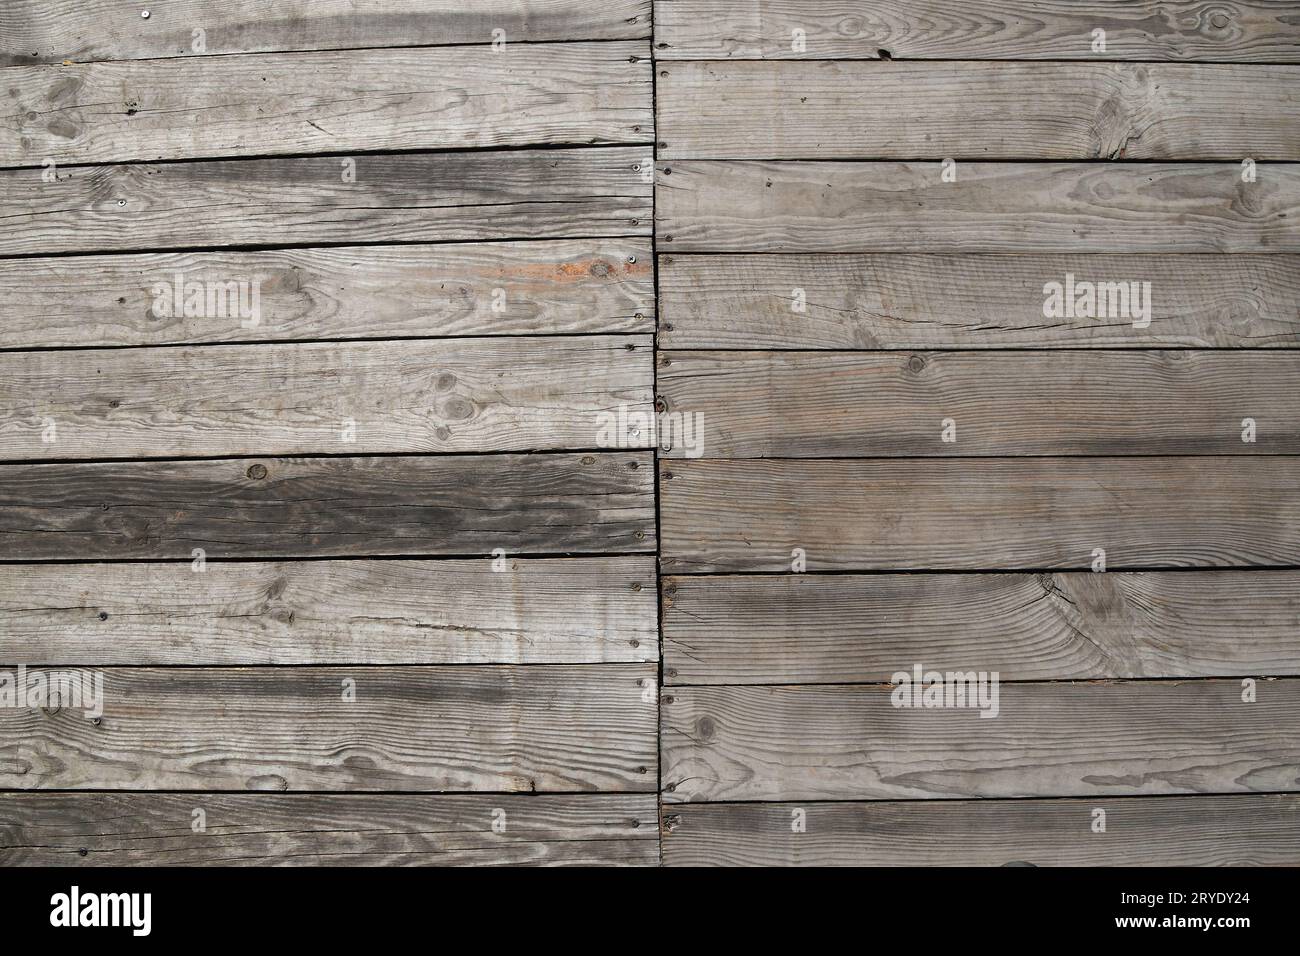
[(1048, 740), (473, 195), (802, 628), (980, 514), (318, 829), (977, 110), (479, 728), (741, 206), (323, 507), (969, 302), (1253, 830), (840, 404), (559, 611)]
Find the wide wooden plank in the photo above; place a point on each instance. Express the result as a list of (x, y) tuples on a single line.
[(1253, 830), (472, 195), (565, 611), (460, 395), (969, 302), (747, 206), (472, 728), (985, 403), (840, 742), (977, 110), (426, 98), (802, 628), (980, 514), (323, 507)]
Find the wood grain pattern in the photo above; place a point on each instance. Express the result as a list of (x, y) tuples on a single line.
[(800, 628), (969, 302), (328, 507), (1068, 740), (745, 206), (471, 728), (980, 514), (128, 829)]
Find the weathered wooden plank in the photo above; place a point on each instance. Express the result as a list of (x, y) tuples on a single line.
[(457, 395), (511, 288), (980, 514), (472, 195), (565, 611), (799, 628), (969, 302), (843, 404), (328, 507), (1097, 739), (476, 728), (1243, 30), (426, 98), (49, 31), (319, 829), (746, 206), (977, 110), (1253, 830)]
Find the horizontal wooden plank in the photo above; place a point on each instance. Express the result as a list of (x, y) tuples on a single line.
[(980, 514), (801, 628), (747, 206), (977, 110), (471, 728), (328, 507), (460, 395), (969, 302), (472, 195), (328, 829), (1253, 830), (1048, 740), (336, 102), (558, 611), (840, 404), (357, 292)]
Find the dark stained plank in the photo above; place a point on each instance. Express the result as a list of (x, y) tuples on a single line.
[(801, 628), (472, 728), (977, 110), (980, 514), (745, 206), (318, 829), (1252, 830), (842, 404), (328, 507), (554, 611), (969, 302), (472, 195), (1068, 740)]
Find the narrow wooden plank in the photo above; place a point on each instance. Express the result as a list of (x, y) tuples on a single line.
[(473, 195), (319, 829), (744, 206), (567, 286), (1244, 30), (799, 628), (460, 395), (1253, 830), (842, 404), (328, 507), (474, 728), (559, 611), (1069, 740), (977, 110), (980, 514), (970, 302)]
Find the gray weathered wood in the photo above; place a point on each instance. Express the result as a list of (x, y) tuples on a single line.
[(319, 829), (1068, 740)]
